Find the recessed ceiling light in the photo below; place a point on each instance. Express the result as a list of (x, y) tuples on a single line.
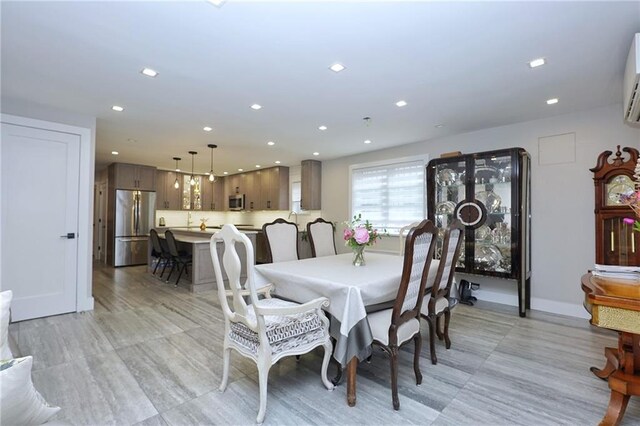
[(207, 129), (367, 141), (337, 67), (316, 153), (277, 161), (401, 103), (271, 143), (256, 106), (115, 152), (225, 173), (149, 72), (438, 126), (117, 108), (322, 128), (258, 166), (177, 170), (241, 170), (537, 63), (552, 101)]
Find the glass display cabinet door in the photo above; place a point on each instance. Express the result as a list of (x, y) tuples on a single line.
[(191, 195), (450, 191)]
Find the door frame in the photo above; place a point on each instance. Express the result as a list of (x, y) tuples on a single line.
[(84, 298)]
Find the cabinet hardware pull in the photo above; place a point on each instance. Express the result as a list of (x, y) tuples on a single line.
[(613, 237), (633, 242)]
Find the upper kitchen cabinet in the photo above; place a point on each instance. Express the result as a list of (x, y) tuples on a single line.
[(616, 242), (489, 193), (252, 192), (311, 185), (168, 197), (213, 194), (274, 188), (133, 176)]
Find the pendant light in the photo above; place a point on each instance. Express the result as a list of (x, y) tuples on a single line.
[(192, 181), (176, 184), (212, 176)]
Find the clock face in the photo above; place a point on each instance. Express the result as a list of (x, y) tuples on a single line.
[(617, 186)]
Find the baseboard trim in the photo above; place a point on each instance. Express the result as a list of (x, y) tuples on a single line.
[(544, 305)]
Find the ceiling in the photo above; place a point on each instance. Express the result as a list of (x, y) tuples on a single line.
[(462, 65)]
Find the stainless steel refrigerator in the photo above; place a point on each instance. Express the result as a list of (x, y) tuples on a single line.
[(135, 212)]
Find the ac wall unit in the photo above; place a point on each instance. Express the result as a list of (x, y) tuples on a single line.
[(631, 88)]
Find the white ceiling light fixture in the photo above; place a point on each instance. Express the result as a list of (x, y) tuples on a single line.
[(117, 108), (368, 141), (225, 173), (207, 129), (258, 166), (316, 153), (212, 175), (192, 180), (367, 124), (337, 67), (323, 128), (552, 101), (271, 143), (241, 170), (115, 152), (537, 62), (256, 107), (176, 184), (149, 72), (401, 103), (277, 161)]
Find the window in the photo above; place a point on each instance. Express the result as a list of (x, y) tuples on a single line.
[(389, 195)]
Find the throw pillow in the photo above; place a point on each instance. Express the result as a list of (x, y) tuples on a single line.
[(5, 305), (20, 402)]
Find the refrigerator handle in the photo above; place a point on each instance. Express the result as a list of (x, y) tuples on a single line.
[(136, 213)]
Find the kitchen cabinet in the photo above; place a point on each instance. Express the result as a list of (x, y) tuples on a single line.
[(489, 193), (274, 188), (133, 176), (252, 192), (168, 197), (311, 185), (191, 194), (616, 242), (213, 194)]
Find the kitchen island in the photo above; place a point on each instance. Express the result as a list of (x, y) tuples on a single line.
[(196, 242)]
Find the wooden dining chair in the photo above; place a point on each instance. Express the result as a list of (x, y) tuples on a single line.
[(263, 330), (321, 237), (394, 327), (281, 237), (437, 301), (402, 234)]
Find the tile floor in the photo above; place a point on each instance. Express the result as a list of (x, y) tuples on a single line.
[(149, 354)]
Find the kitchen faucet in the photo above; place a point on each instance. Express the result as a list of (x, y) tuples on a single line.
[(292, 212), (189, 220)]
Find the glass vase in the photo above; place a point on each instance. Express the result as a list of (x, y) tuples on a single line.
[(358, 256)]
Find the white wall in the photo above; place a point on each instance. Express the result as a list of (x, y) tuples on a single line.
[(563, 241), (87, 161)]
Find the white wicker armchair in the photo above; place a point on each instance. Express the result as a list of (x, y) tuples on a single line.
[(264, 330)]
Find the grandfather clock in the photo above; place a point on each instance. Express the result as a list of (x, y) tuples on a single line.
[(616, 242)]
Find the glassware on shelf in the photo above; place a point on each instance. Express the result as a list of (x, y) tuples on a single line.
[(488, 256), (445, 207), (447, 177), (490, 199), (483, 233), (501, 234)]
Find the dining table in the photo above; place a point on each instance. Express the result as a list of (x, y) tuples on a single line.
[(352, 292)]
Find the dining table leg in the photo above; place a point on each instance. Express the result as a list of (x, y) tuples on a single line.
[(352, 367)]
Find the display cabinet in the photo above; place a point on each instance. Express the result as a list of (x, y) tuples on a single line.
[(191, 194), (616, 242), (489, 193)]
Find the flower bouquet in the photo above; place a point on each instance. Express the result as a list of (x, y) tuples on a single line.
[(633, 201), (358, 235)]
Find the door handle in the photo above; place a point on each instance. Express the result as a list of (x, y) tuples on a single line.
[(69, 236)]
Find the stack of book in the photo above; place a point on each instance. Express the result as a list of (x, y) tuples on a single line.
[(617, 272)]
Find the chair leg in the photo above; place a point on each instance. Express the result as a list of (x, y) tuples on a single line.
[(263, 378), (432, 341), (447, 318), (393, 360), (417, 339), (336, 380), (164, 266), (157, 264), (184, 266), (173, 265), (328, 350), (438, 332), (226, 355)]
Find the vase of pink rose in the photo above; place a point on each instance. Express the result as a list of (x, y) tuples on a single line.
[(358, 234)]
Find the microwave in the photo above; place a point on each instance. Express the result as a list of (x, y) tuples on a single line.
[(236, 202)]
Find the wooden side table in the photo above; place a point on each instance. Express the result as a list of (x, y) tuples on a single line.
[(616, 305)]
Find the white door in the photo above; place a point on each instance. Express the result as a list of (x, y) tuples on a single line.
[(40, 178)]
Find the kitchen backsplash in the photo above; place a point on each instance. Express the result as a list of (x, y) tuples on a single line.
[(174, 218)]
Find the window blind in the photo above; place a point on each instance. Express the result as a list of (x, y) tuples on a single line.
[(391, 195)]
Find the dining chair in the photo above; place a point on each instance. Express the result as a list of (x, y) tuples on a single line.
[(403, 234), (320, 234), (437, 301), (265, 330), (281, 237), (391, 328), (180, 259), (159, 251)]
